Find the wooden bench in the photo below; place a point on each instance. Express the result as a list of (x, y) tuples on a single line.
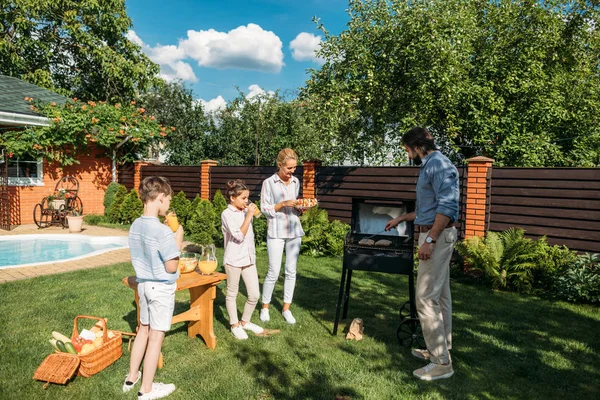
[(202, 294)]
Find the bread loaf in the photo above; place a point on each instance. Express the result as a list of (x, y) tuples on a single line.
[(366, 242)]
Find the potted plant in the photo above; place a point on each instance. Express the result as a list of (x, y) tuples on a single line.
[(57, 200), (75, 221)]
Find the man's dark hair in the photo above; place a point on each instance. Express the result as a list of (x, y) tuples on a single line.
[(420, 139)]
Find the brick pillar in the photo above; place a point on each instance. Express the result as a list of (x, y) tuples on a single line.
[(477, 175), (137, 173), (309, 191), (205, 166)]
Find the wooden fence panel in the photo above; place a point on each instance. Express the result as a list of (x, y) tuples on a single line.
[(561, 203), (252, 176), (125, 175), (181, 178), (336, 186)]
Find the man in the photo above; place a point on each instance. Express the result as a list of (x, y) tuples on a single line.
[(436, 211)]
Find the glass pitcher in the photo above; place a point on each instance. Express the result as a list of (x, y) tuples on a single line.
[(208, 260)]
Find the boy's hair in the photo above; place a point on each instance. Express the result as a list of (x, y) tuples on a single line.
[(152, 186), (284, 155), (235, 188), (420, 139)]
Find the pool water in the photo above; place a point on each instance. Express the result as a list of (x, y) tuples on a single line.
[(21, 250)]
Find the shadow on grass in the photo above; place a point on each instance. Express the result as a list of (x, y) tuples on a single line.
[(501, 340)]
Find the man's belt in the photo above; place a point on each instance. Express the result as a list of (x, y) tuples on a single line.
[(425, 228)]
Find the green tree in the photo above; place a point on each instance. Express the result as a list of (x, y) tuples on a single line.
[(74, 47), (251, 131), (220, 205), (202, 223), (131, 208), (514, 80), (173, 105), (114, 212)]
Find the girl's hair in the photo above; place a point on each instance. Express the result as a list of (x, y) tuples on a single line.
[(235, 188), (152, 186), (286, 154), (419, 139)]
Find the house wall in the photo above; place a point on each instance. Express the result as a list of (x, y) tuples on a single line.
[(93, 174)]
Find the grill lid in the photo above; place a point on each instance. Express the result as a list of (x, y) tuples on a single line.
[(369, 217)]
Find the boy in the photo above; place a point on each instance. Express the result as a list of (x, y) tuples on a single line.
[(155, 254)]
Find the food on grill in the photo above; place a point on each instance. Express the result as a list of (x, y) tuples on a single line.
[(383, 243), (306, 203), (366, 242)]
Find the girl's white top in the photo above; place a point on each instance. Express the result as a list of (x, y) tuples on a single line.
[(239, 248)]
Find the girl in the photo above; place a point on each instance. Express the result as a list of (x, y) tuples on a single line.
[(240, 257), (278, 203)]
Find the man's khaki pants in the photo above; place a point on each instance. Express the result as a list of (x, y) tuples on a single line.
[(434, 302)]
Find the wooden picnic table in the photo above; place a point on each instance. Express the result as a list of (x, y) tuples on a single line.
[(202, 294)]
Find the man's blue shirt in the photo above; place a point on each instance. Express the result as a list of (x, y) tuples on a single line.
[(437, 189)]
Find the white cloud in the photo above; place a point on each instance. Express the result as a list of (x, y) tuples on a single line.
[(256, 90), (245, 47), (213, 105), (304, 47), (169, 58)]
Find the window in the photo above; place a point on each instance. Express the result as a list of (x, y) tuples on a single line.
[(25, 171)]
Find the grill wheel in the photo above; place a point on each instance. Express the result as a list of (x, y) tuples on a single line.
[(409, 333)]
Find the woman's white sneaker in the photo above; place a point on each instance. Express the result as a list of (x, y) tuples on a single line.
[(289, 318), (159, 390), (264, 315)]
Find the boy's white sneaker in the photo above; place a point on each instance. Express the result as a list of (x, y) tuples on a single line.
[(159, 390), (128, 385), (253, 328), (239, 333), (264, 315), (289, 318)]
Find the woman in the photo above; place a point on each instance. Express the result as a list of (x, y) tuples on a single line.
[(277, 203)]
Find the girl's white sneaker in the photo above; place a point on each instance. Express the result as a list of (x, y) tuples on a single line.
[(253, 328), (239, 333), (264, 315), (289, 318)]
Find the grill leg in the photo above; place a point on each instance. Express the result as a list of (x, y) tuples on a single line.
[(340, 301), (347, 295)]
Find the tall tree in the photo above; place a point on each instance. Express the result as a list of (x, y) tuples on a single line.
[(515, 80), (251, 131), (75, 47), (173, 105)]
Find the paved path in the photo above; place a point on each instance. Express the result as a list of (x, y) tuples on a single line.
[(111, 257)]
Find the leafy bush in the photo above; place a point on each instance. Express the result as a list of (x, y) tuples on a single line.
[(321, 236), (131, 208), (201, 223), (94, 219), (581, 281), (260, 229), (507, 259), (109, 195), (553, 262), (220, 204), (113, 213), (181, 205)]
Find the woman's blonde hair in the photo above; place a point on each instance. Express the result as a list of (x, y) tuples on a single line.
[(286, 154)]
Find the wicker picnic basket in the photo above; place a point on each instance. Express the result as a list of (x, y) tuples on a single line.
[(61, 367), (100, 358)]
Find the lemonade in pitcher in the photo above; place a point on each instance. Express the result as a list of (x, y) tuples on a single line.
[(208, 260)]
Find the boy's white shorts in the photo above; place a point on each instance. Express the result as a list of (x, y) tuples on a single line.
[(157, 302)]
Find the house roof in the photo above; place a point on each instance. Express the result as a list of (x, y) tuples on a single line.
[(12, 99)]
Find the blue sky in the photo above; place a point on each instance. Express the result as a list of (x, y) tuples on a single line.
[(214, 46)]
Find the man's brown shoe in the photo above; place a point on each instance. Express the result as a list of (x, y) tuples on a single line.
[(432, 372)]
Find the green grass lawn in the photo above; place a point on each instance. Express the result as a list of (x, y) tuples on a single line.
[(506, 346)]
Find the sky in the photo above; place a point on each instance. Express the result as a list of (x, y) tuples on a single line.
[(215, 46)]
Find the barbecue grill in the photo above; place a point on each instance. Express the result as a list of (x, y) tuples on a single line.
[(368, 247)]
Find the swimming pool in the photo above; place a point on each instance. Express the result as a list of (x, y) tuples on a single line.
[(28, 250)]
